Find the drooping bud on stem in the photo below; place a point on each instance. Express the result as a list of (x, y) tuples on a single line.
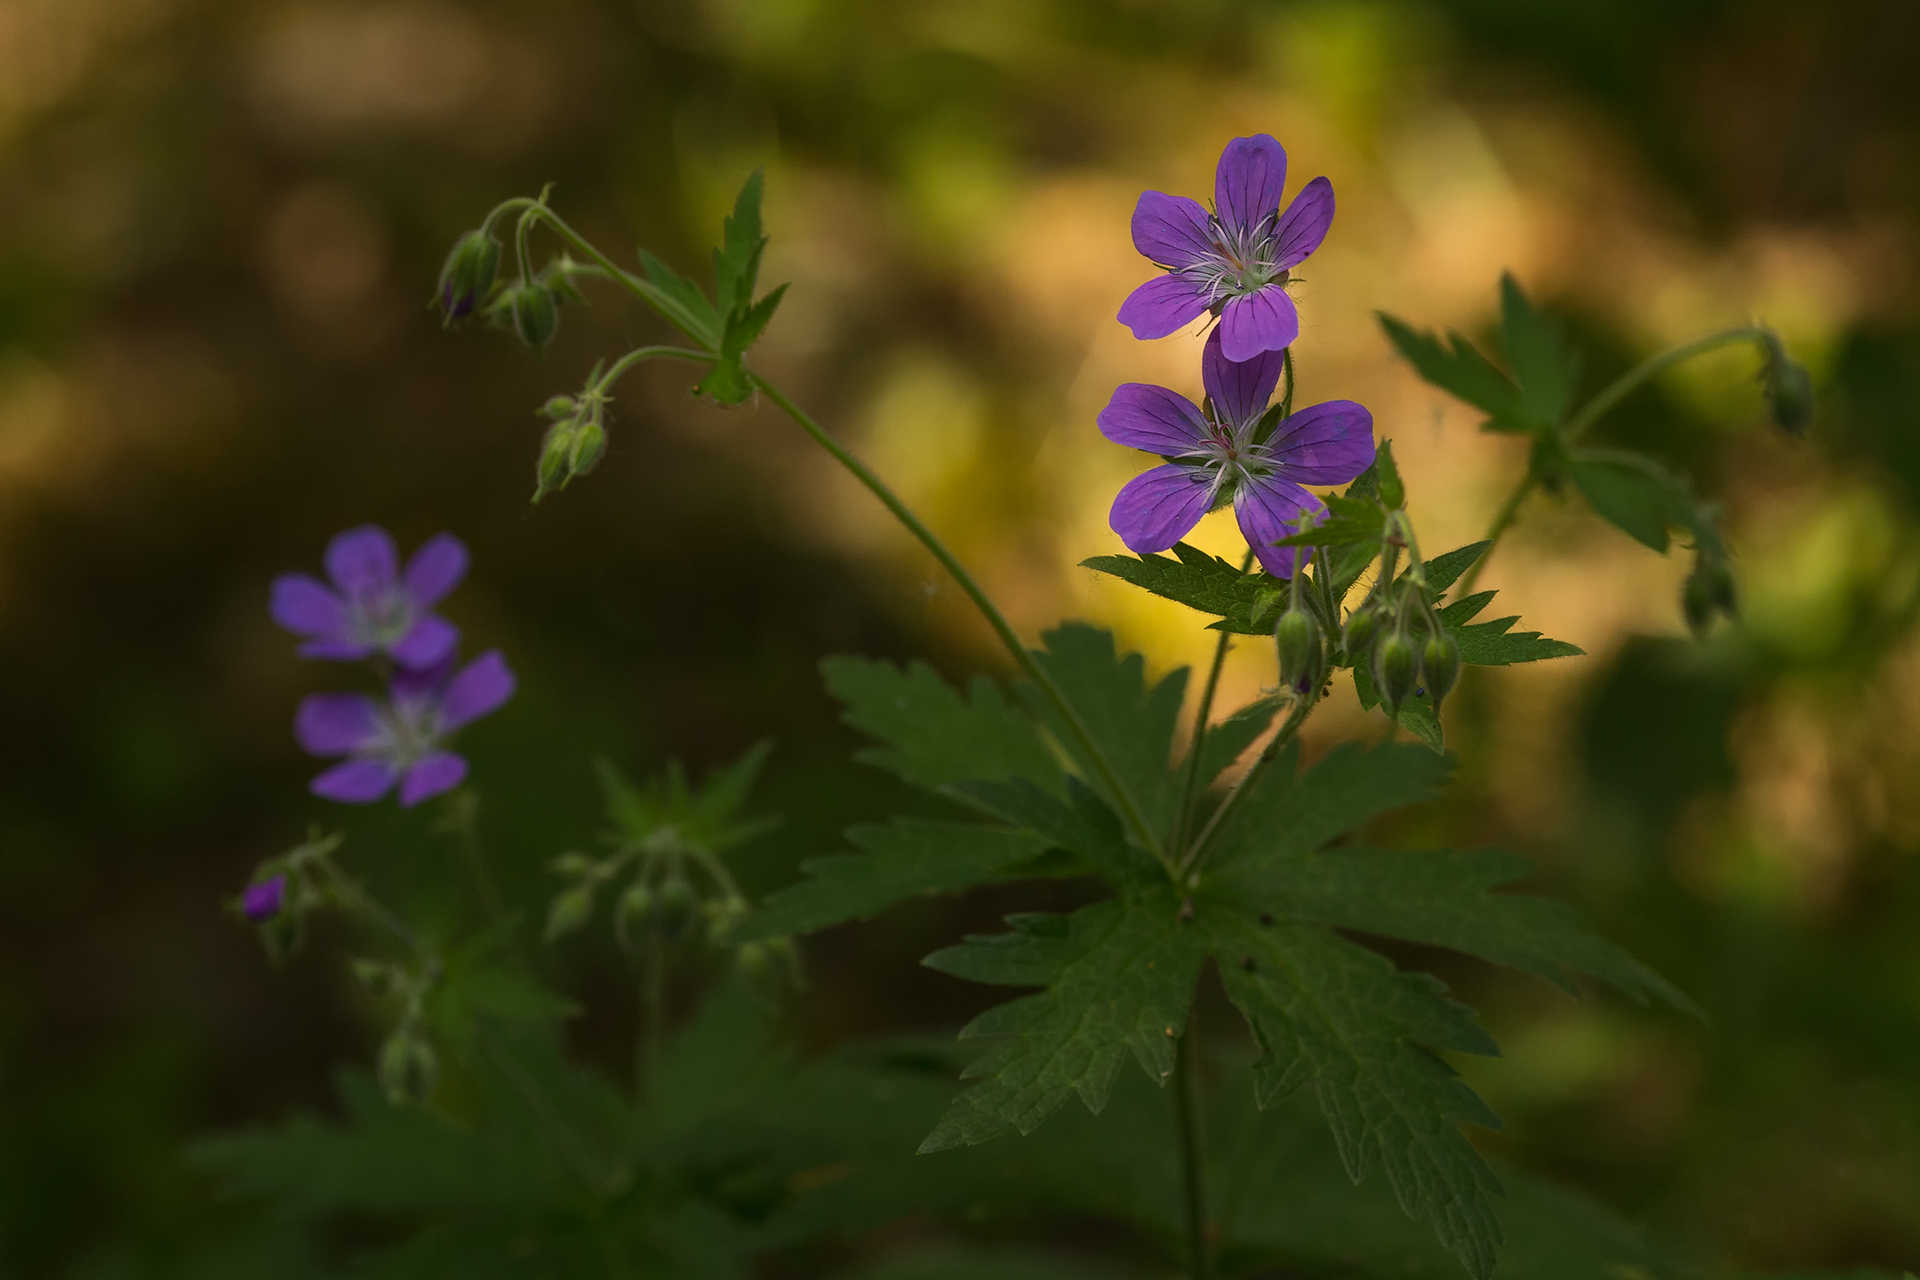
[(1363, 624), (1709, 593), (467, 275), (535, 318), (1440, 664), (1789, 388), (1303, 657), (1396, 669)]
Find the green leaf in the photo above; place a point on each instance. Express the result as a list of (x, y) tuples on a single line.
[(479, 982), (1443, 898), (687, 295), (1133, 724), (1086, 827), (707, 816), (1290, 814), (1633, 495), (1119, 978), (1417, 715), (935, 737), (736, 263), (1350, 523), (1491, 644), (726, 382), (1466, 608), (1540, 361), (1201, 581), (1444, 570), (907, 858), (1227, 741), (1366, 1035), (1461, 370)]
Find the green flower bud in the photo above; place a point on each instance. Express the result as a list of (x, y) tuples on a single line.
[(1440, 664), (574, 864), (1709, 593), (1363, 624), (1789, 388), (589, 442), (569, 911), (534, 315), (560, 408), (677, 903), (754, 960), (467, 274), (409, 1067), (1303, 658), (1396, 670), (633, 909)]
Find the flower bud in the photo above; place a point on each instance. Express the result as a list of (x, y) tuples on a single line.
[(569, 911), (1789, 388), (560, 408), (534, 315), (633, 909), (1708, 594), (589, 442), (467, 274), (1440, 664), (677, 901), (1303, 658), (1396, 670), (754, 960), (409, 1067), (262, 902), (1363, 624)]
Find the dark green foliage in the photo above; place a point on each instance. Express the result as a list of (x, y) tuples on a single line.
[(1533, 401), (934, 735), (1248, 603), (1290, 813), (707, 816), (736, 272), (1632, 492)]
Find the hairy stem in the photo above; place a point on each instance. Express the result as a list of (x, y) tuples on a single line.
[(1297, 717), (1192, 1155), (1083, 737), (1591, 413), (1189, 791)]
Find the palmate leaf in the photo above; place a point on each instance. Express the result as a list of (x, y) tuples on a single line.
[(1534, 400), (1246, 603), (1290, 814)]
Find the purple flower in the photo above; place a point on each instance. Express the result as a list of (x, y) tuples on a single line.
[(262, 902), (1227, 456), (399, 740), (372, 607), (1234, 262)]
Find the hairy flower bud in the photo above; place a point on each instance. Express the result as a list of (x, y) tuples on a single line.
[(1709, 593), (1440, 664), (569, 911), (263, 901), (589, 442), (535, 316), (1303, 658), (560, 408), (467, 274), (1363, 624), (1789, 388), (1396, 670)]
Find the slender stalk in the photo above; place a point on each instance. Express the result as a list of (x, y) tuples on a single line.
[(360, 900), (1595, 409), (1192, 1156), (1191, 862), (1189, 791), (1129, 807), (464, 812), (653, 1012), (619, 367)]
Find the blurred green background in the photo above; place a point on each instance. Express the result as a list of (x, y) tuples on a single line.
[(219, 225)]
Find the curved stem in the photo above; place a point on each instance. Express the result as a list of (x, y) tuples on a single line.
[(1297, 717), (1042, 680), (1652, 367), (619, 368), (1192, 1158), (1190, 788), (671, 309), (360, 900)]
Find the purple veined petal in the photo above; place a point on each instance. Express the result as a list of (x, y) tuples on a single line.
[(435, 569), (336, 649), (355, 782), (262, 902), (336, 724), (483, 686), (1143, 416), (1163, 305), (1304, 225), (1158, 507), (306, 606), (1249, 180), (1327, 443), (1240, 390), (1269, 509), (1174, 231), (362, 561), (427, 643), (1264, 320), (432, 774)]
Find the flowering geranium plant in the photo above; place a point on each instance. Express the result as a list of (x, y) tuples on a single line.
[(1215, 855)]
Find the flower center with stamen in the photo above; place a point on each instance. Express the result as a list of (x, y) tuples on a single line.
[(383, 618), (409, 730)]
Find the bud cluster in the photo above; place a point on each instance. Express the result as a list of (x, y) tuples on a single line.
[(284, 891), (1709, 592), (1396, 634), (409, 1064), (576, 440)]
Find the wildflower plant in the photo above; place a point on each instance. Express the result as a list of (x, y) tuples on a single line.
[(1217, 854)]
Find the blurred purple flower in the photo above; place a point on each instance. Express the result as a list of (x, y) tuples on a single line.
[(1226, 456), (1234, 262), (372, 606), (262, 902), (399, 740)]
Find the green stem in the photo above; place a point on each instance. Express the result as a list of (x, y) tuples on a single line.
[(464, 810), (1192, 1157), (1189, 791), (671, 309), (1191, 863), (1129, 808), (653, 1009), (360, 900), (618, 368)]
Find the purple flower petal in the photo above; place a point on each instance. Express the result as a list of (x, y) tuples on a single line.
[(427, 643), (1158, 507), (1240, 391), (306, 606), (1172, 230), (336, 649), (435, 569), (1304, 225), (1327, 443), (362, 562), (440, 771), (336, 724), (1248, 183), (1269, 509), (1163, 305), (1142, 416), (418, 684), (262, 902), (355, 782), (1263, 320), (482, 686)]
